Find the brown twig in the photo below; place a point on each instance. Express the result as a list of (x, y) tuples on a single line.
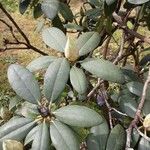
[(122, 42), (105, 50), (123, 26), (107, 105), (138, 112), (27, 43), (142, 134), (99, 82)]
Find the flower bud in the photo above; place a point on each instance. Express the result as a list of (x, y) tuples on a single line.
[(71, 52)]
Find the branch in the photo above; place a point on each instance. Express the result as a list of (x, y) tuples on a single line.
[(123, 26), (138, 112), (27, 43), (142, 134)]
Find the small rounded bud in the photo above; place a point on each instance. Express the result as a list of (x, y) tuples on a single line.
[(71, 52)]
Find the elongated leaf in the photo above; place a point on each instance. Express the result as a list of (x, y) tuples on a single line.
[(137, 89), (78, 80), (63, 138), (50, 8), (54, 38), (66, 12), (144, 144), (31, 135), (146, 107), (93, 13), (110, 2), (101, 132), (80, 116), (116, 139), (56, 78), (23, 5), (56, 22), (92, 142), (40, 63), (23, 83), (130, 75), (137, 2), (96, 2), (41, 139), (128, 104), (104, 69), (73, 26), (134, 138), (110, 7), (98, 137), (19, 133), (87, 42), (37, 11), (12, 125)]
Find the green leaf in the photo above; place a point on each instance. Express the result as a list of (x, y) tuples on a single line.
[(104, 70), (79, 116), (137, 89), (23, 5), (98, 137), (110, 2), (101, 132), (63, 138), (13, 124), (50, 8), (96, 2), (37, 11), (40, 136), (93, 13), (87, 42), (128, 104), (23, 83), (56, 22), (14, 102), (144, 144), (66, 12), (110, 7), (130, 75), (14, 131), (54, 38), (40, 63), (137, 2), (116, 139), (134, 138), (73, 26), (78, 80), (92, 142), (146, 107), (56, 78), (31, 135)]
